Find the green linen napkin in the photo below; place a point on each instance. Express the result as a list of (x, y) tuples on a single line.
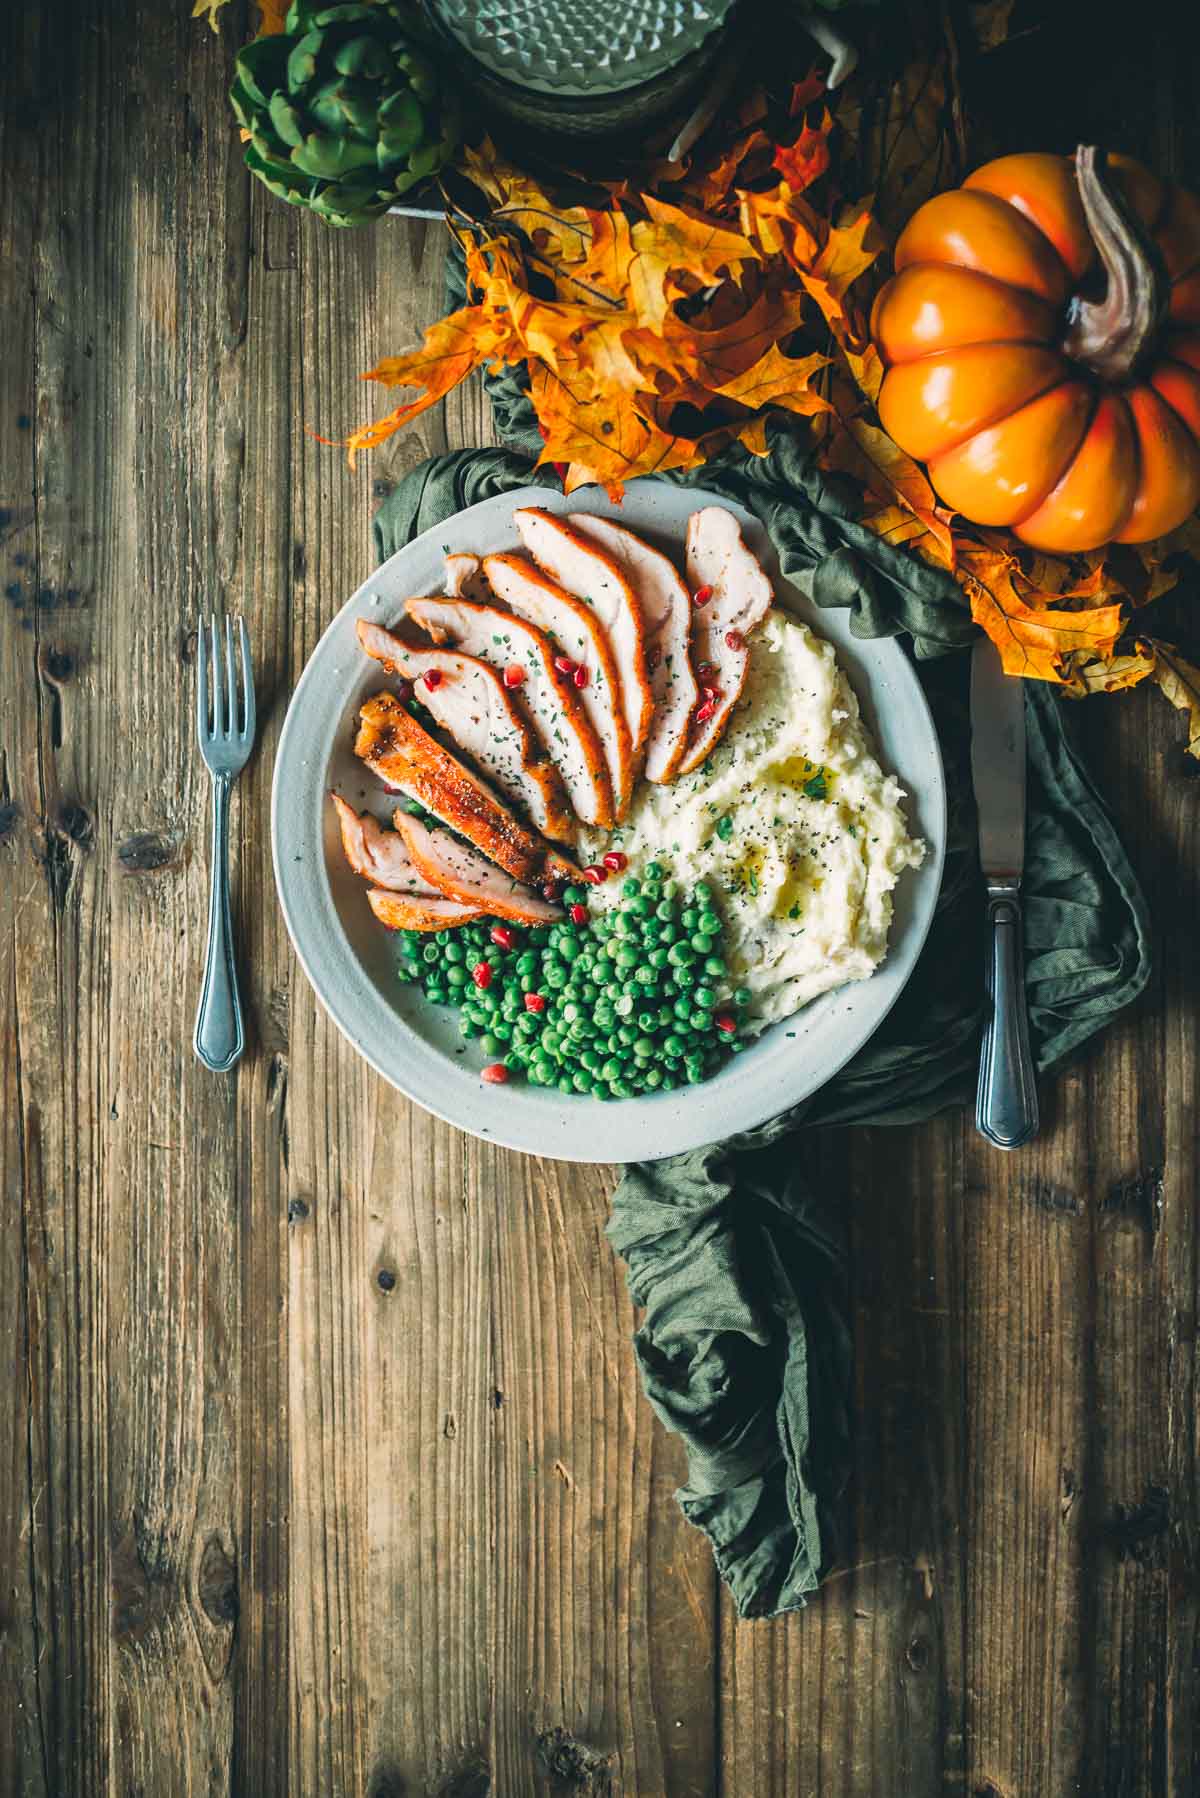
[(743, 1347)]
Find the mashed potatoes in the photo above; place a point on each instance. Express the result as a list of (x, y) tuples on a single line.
[(793, 823)]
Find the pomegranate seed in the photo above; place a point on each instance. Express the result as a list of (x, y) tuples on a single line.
[(403, 690), (713, 693), (595, 874), (496, 1075), (535, 1001), (432, 678), (702, 595), (706, 711), (579, 914), (580, 676), (725, 1024), (502, 936), (706, 669), (552, 890), (481, 974), (734, 640), (514, 675), (614, 861), (565, 665)]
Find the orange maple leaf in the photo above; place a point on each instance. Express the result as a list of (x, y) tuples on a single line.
[(778, 380), (674, 241), (451, 349), (605, 437), (844, 256)]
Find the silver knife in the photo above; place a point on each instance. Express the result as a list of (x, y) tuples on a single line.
[(1006, 1106)]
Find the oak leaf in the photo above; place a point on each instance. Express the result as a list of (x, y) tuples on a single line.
[(1034, 639), (806, 160), (1179, 680)]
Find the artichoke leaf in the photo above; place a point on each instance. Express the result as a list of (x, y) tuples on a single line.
[(288, 123), (302, 63), (332, 157), (401, 124), (365, 58)]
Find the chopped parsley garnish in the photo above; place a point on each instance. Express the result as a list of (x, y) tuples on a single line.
[(817, 785)]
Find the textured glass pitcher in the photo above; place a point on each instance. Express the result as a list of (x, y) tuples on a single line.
[(584, 67)]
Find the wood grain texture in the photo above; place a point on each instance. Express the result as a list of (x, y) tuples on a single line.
[(323, 1466)]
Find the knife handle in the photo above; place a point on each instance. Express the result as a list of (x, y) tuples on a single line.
[(1006, 1105)]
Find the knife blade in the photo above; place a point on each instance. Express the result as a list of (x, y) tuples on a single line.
[(1006, 1106)]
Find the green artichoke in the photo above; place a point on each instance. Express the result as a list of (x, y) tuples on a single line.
[(344, 112)]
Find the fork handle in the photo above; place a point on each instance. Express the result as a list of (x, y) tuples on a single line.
[(220, 1035), (1006, 1103)]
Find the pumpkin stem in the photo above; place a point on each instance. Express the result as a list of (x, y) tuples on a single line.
[(1112, 333)]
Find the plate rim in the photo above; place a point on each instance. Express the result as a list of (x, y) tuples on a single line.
[(306, 940)]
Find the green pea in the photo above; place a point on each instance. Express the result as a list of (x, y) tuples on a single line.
[(644, 976), (457, 976), (673, 1045), (689, 918), (591, 1061), (681, 955), (582, 1081), (639, 908), (665, 911), (431, 953), (695, 1076), (653, 1078), (437, 995), (627, 956), (575, 896), (700, 1020), (647, 1022), (589, 992), (465, 1026), (624, 1006), (620, 1089), (735, 1047), (742, 995), (454, 952), (644, 1046), (527, 963), (409, 969), (490, 1043), (702, 890), (704, 997), (630, 888), (612, 1069), (710, 924), (653, 870)]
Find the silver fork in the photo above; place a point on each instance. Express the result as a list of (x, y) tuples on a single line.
[(225, 745)]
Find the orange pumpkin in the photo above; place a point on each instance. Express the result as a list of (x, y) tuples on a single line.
[(1041, 337)]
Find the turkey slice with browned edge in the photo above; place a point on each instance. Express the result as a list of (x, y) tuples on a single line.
[(582, 568), (471, 703), (730, 596), (524, 657), (404, 755), (404, 911), (463, 875), (666, 613), (583, 653)]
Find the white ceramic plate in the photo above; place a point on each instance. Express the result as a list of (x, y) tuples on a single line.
[(351, 960)]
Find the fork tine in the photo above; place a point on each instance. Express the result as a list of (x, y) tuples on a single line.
[(249, 720), (231, 718), (218, 680), (201, 684)]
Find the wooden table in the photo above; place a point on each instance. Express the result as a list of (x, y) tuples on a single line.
[(325, 1468)]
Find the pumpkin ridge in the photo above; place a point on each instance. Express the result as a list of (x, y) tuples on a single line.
[(1057, 306), (1067, 465)]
